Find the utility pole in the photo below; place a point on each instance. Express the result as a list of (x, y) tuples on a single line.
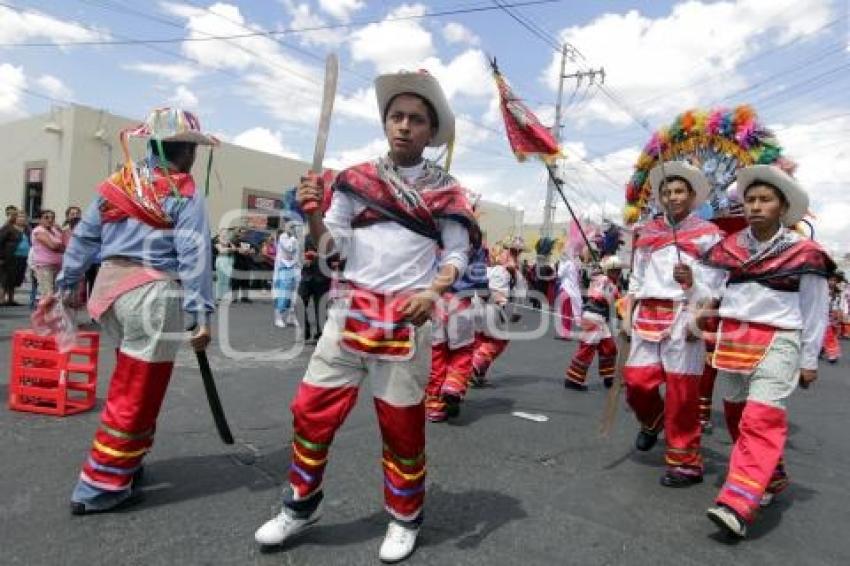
[(590, 74)]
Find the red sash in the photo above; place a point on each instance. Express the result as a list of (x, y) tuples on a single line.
[(121, 200), (655, 317), (741, 345), (658, 234), (375, 327)]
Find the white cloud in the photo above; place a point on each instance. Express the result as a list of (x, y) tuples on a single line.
[(467, 74), (179, 73), (454, 32), (355, 155), (341, 9), (20, 26), (263, 139), (655, 62), (394, 45), (303, 17), (12, 80), (54, 87), (184, 98), (362, 105), (822, 152), (270, 78)]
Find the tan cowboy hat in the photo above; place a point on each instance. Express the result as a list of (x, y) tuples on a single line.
[(798, 199), (693, 175), (174, 124), (423, 84)]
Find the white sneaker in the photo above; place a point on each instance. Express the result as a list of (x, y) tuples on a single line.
[(284, 526), (399, 542), (766, 499), (278, 320), (727, 520)]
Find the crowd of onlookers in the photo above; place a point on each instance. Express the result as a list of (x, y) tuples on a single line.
[(32, 249)]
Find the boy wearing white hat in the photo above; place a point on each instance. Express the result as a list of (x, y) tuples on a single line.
[(773, 315), (665, 278), (387, 218), (150, 225), (596, 328)]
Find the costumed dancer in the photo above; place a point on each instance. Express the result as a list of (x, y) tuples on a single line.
[(506, 285), (665, 278), (150, 224), (831, 346), (453, 340), (773, 315), (596, 324), (569, 294), (380, 327), (287, 273)]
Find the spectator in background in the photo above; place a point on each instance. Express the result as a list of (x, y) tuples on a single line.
[(47, 249), (225, 250), (72, 218), (286, 276), (315, 285), (243, 264), (22, 252), (10, 237), (264, 262)]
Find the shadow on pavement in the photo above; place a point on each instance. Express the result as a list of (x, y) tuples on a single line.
[(180, 479)]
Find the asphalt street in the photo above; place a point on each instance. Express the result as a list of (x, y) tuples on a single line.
[(502, 489)]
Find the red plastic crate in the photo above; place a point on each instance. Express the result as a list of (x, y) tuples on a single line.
[(45, 381)]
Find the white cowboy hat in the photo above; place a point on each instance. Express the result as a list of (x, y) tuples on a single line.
[(610, 262), (798, 199), (693, 175), (423, 84), (174, 124)]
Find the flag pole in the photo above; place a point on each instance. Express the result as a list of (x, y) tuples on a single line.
[(556, 182)]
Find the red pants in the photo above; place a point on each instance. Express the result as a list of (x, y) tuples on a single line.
[(756, 465), (607, 347), (678, 413), (706, 393), (318, 413), (486, 350), (450, 374), (831, 346), (127, 422)]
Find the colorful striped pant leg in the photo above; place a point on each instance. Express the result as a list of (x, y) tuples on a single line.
[(607, 357), (403, 434), (434, 403), (583, 357), (706, 393), (756, 465), (486, 350), (148, 344), (831, 346)]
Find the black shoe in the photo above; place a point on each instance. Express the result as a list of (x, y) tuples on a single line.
[(570, 384), (675, 479), (452, 405), (608, 382), (246, 300), (646, 440)]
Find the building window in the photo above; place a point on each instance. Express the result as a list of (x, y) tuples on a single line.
[(33, 191)]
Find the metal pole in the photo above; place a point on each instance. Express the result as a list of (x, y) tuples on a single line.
[(549, 210)]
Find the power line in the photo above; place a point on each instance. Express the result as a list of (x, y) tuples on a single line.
[(274, 33)]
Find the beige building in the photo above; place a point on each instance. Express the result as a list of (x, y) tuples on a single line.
[(55, 160)]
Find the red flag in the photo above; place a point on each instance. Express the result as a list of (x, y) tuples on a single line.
[(527, 136)]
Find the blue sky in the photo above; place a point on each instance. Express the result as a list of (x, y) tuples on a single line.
[(789, 58)]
